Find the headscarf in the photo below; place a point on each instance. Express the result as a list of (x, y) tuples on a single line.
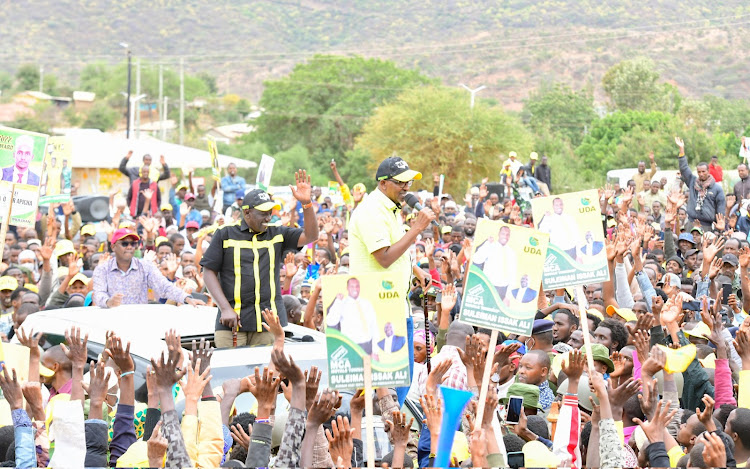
[(28, 254), (419, 338)]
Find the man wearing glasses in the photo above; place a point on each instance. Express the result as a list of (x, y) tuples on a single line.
[(124, 279), (377, 239)]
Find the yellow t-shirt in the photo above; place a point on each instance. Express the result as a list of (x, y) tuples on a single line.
[(375, 224)]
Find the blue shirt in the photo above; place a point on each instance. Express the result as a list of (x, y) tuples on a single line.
[(230, 185)]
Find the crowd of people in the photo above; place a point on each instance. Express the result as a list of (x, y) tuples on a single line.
[(678, 257)]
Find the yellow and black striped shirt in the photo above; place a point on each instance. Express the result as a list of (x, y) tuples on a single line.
[(247, 264)]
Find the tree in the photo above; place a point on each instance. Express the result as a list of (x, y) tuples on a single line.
[(622, 139), (6, 81), (100, 117), (30, 123), (27, 77), (432, 128), (562, 110), (323, 104), (633, 85)]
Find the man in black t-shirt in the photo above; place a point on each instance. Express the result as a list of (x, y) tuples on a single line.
[(241, 266)]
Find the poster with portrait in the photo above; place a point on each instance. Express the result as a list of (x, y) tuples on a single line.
[(58, 171), (505, 273), (214, 152), (265, 169), (577, 254), (22, 156), (365, 315)]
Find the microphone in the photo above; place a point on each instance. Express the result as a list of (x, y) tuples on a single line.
[(413, 202)]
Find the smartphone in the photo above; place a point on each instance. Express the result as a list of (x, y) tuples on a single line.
[(515, 404), (516, 460), (726, 290)]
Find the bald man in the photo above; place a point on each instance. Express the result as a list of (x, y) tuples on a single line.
[(61, 382)]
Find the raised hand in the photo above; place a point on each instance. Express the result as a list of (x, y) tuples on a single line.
[(655, 362), (449, 298), (742, 345), (340, 440), (97, 387), (202, 353), (435, 378), (273, 324), (714, 451), (322, 409), (433, 412), (11, 388), (672, 310), (680, 144), (706, 416), (156, 447), (196, 382), (400, 428), (240, 436), (711, 247), (290, 267), (303, 190), (744, 256), (121, 356), (75, 350), (264, 387), (573, 366)]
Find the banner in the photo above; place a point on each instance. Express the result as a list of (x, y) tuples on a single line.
[(22, 156), (214, 152), (577, 254), (265, 168), (25, 204), (503, 282), (56, 180), (364, 314)]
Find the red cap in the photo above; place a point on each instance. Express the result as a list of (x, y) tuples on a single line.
[(123, 233), (189, 195), (193, 224)]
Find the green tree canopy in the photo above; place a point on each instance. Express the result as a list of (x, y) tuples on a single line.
[(100, 117), (622, 139), (433, 129), (634, 85), (323, 104), (558, 108)]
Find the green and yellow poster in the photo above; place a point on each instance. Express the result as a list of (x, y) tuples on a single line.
[(22, 156), (505, 273), (365, 315), (577, 253), (56, 179), (214, 152)]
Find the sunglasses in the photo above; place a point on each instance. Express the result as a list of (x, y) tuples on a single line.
[(405, 185), (127, 244)]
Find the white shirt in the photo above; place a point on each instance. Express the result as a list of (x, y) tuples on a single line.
[(388, 344), (356, 319), (499, 262), (562, 230), (24, 176), (520, 294)]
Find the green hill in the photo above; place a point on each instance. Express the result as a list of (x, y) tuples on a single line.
[(508, 45)]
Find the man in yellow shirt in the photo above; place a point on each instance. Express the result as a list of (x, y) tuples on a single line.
[(378, 241)]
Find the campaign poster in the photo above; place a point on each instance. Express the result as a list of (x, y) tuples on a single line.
[(365, 315), (22, 156), (265, 168), (504, 277), (58, 171), (577, 253), (25, 204), (214, 152)]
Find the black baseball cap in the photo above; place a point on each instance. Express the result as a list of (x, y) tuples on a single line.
[(259, 199), (396, 168)]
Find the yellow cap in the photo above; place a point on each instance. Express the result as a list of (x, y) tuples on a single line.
[(88, 230), (700, 331), (79, 277), (8, 283), (626, 313), (595, 313), (534, 156), (166, 207), (446, 229), (64, 246), (678, 360), (159, 240), (31, 287), (359, 187), (709, 361), (126, 224), (536, 454), (512, 154)]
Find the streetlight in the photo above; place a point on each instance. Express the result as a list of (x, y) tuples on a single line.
[(473, 93), (128, 102), (471, 106)]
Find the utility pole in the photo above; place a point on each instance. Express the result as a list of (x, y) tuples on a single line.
[(41, 78), (138, 93), (127, 102), (182, 101), (160, 103), (166, 112)]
